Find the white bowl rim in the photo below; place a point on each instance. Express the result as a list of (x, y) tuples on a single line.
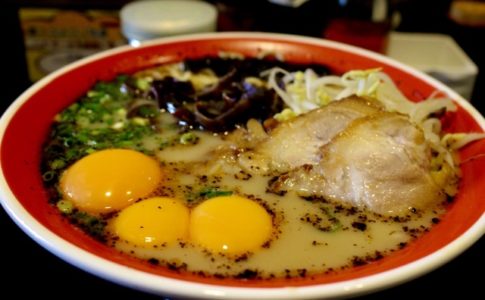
[(160, 285)]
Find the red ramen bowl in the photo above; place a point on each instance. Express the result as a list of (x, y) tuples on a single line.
[(25, 125)]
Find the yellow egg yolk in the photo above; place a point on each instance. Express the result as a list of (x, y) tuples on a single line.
[(230, 224), (154, 221), (110, 180)]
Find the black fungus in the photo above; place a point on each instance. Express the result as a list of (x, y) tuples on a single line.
[(232, 101)]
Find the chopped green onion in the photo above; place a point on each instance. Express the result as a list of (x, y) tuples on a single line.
[(188, 138), (48, 176), (65, 207), (58, 164), (210, 192), (143, 84), (140, 121)]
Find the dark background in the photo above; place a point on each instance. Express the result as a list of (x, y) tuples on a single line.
[(30, 271)]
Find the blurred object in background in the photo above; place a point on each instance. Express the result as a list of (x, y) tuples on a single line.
[(363, 23), (468, 13), (437, 55), (282, 16), (467, 26), (291, 3), (54, 37), (148, 19), (44, 48), (421, 17), (234, 16)]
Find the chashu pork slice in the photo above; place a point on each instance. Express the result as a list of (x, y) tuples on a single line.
[(381, 162), (297, 142)]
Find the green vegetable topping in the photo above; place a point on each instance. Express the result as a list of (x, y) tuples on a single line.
[(142, 84), (91, 224), (189, 138), (65, 207), (98, 121), (49, 176), (212, 192), (207, 193)]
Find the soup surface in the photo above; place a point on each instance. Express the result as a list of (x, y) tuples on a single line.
[(224, 167)]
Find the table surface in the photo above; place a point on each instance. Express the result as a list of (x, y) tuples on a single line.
[(29, 270)]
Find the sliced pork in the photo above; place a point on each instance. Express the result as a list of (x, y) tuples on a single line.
[(380, 162), (297, 142)]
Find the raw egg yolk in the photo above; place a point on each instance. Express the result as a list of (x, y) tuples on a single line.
[(230, 224), (153, 221), (110, 180)]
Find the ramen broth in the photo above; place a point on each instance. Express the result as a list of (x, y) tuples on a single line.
[(196, 153), (300, 246)]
